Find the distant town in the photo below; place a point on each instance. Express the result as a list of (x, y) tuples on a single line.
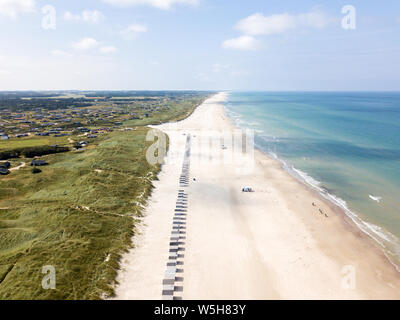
[(74, 119)]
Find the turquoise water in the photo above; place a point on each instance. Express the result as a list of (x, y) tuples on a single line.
[(346, 145)]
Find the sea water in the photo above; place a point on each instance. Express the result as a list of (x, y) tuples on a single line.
[(345, 145)]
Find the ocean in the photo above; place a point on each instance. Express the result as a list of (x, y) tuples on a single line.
[(345, 145)]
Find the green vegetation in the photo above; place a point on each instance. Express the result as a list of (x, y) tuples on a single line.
[(175, 112), (78, 215), (47, 104), (31, 152), (16, 143), (36, 170)]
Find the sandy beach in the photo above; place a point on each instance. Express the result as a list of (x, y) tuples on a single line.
[(269, 244)]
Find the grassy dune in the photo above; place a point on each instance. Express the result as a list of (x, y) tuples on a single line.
[(31, 142), (78, 215), (177, 112)]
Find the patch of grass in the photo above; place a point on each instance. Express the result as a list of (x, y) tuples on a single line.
[(34, 141), (78, 215), (31, 152), (176, 112)]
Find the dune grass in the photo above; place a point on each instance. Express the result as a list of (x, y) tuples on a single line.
[(176, 112), (77, 215), (34, 141)]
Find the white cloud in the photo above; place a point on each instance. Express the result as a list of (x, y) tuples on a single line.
[(87, 16), (85, 44), (108, 49), (315, 19), (258, 24), (12, 8), (71, 17), (241, 43), (160, 4), (134, 28), (92, 16)]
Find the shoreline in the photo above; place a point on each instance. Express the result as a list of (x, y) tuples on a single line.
[(348, 220), (349, 217), (271, 244)]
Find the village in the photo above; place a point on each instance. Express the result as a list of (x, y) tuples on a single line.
[(27, 122), (63, 122)]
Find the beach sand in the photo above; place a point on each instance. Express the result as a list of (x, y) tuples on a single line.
[(269, 244)]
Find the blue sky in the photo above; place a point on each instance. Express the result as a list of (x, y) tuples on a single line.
[(199, 44)]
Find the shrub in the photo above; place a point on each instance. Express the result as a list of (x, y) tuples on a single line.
[(42, 150), (31, 152), (9, 154), (36, 170)]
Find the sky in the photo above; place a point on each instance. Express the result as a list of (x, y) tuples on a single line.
[(260, 45)]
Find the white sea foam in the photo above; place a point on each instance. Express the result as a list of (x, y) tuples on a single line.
[(378, 231), (310, 180), (239, 122), (377, 199), (363, 225), (274, 155), (384, 238), (253, 123)]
